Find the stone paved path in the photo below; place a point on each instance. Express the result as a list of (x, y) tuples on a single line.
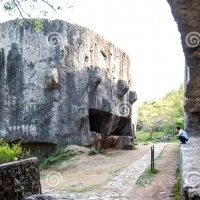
[(119, 186)]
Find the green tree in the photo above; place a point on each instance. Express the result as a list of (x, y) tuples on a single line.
[(149, 117), (162, 115), (175, 112), (22, 7), (31, 9)]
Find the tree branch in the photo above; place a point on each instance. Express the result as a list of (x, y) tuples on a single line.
[(17, 6), (21, 9), (49, 4)]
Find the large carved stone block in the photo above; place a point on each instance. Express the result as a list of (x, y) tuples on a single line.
[(54, 83)]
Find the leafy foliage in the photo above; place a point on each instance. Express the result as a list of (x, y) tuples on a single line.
[(34, 9), (23, 7), (8, 152), (38, 25), (9, 6), (162, 115), (36, 22), (145, 137)]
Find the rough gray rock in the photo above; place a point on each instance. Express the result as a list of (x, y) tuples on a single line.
[(125, 142), (187, 16), (51, 79), (59, 85), (41, 197), (190, 171), (132, 97), (122, 88), (19, 179)]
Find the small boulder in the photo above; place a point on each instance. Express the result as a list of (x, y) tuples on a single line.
[(41, 197), (109, 141), (132, 97), (122, 88)]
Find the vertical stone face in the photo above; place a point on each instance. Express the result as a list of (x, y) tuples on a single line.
[(2, 64), (52, 82), (187, 16)]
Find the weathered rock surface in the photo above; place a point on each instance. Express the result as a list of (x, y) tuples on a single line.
[(59, 85), (19, 179), (190, 171), (125, 142), (41, 197), (187, 16), (109, 141)]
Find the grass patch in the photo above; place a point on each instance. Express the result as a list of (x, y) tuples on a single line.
[(177, 189), (135, 147), (177, 185), (92, 152), (82, 190), (114, 172), (59, 156), (146, 177)]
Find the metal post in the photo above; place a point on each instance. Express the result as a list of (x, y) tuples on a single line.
[(152, 158)]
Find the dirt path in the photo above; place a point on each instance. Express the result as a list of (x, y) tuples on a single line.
[(163, 181), (83, 173), (87, 173)]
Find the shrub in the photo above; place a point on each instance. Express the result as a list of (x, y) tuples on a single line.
[(8, 152), (146, 137), (92, 152), (143, 137)]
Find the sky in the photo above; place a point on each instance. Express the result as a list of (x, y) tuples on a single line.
[(144, 29)]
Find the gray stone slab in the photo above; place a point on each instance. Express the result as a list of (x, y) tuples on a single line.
[(190, 168), (41, 197)]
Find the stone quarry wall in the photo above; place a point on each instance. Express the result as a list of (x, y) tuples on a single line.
[(187, 16), (19, 179), (61, 85)]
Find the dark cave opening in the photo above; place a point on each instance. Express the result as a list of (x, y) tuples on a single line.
[(99, 120)]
